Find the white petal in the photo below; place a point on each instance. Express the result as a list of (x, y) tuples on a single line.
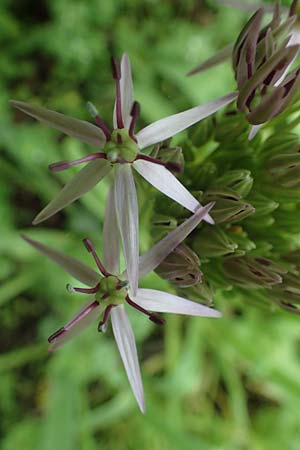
[(163, 180), (159, 301), (126, 343), (128, 220), (79, 129), (81, 183), (253, 132), (73, 330), (150, 260), (169, 126), (71, 265), (126, 87), (111, 244)]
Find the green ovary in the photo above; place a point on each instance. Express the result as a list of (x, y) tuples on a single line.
[(126, 150), (110, 288)]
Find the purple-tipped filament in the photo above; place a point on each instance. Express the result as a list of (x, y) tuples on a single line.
[(110, 292)]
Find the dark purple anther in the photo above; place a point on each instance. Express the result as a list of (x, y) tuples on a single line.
[(116, 71), (293, 8), (153, 317), (91, 249), (63, 165), (105, 317), (55, 335), (135, 113)]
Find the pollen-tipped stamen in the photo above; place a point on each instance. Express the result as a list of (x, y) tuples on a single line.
[(116, 71), (91, 249), (101, 124), (73, 322), (135, 113), (153, 317), (73, 289), (63, 165), (102, 324)]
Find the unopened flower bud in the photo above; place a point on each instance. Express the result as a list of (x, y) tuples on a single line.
[(213, 242), (181, 267), (252, 272), (229, 207), (238, 180)]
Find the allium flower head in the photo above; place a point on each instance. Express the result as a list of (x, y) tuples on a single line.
[(111, 291), (121, 150)]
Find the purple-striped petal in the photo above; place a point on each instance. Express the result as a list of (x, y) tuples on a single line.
[(169, 126), (163, 180), (128, 220), (111, 243), (71, 265), (81, 183), (159, 301), (150, 260), (126, 343), (80, 129)]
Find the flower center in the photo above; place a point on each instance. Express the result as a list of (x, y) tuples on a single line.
[(113, 289), (121, 147)]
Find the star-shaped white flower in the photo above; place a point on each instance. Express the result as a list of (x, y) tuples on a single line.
[(122, 151), (112, 291)]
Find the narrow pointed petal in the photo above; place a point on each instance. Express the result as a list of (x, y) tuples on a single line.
[(159, 301), (163, 180), (126, 343), (77, 324), (253, 132), (126, 86), (127, 216), (150, 260), (218, 58), (111, 244), (71, 265), (81, 183), (169, 126), (80, 129)]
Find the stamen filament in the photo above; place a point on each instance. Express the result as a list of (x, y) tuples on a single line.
[(73, 322), (168, 165), (135, 112), (116, 71), (91, 249), (153, 317), (63, 165), (94, 113), (105, 318)]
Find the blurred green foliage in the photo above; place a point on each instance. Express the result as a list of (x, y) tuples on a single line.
[(210, 385)]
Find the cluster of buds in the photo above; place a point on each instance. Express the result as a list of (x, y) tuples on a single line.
[(262, 58)]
